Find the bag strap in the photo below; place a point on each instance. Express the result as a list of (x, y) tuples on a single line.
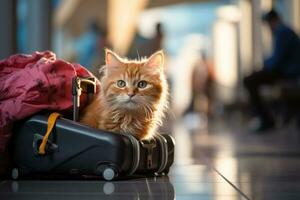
[(51, 122)]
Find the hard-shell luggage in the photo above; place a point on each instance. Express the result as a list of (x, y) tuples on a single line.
[(76, 149)]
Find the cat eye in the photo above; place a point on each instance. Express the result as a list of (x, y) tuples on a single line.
[(142, 84), (121, 83)]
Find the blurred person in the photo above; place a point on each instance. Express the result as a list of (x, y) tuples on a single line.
[(196, 114), (283, 64), (200, 77), (156, 42), (89, 47), (146, 47)]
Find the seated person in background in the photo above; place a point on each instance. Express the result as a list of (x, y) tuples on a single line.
[(284, 63)]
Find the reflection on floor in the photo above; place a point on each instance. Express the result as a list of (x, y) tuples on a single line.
[(219, 163)]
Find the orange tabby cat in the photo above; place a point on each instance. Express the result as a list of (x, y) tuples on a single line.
[(133, 96)]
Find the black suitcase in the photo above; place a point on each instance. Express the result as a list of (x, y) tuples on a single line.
[(76, 149)]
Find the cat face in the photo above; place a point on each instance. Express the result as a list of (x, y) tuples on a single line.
[(132, 85)]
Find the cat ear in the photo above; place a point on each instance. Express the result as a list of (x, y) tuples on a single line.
[(156, 60), (112, 59)]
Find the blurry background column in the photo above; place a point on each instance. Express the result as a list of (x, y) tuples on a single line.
[(290, 12), (39, 25), (122, 22), (226, 52), (245, 35), (296, 15), (8, 28)]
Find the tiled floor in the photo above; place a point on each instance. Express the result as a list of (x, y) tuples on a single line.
[(223, 163)]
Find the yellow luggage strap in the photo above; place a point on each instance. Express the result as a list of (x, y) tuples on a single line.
[(51, 122)]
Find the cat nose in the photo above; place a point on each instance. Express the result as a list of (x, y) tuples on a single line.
[(130, 94)]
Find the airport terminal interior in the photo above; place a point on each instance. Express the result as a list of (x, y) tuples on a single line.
[(224, 150)]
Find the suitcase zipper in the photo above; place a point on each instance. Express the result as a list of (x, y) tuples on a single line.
[(149, 145)]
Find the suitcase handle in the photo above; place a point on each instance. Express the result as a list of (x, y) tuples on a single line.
[(51, 122), (79, 85)]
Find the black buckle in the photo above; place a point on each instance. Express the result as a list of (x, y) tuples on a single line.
[(50, 146)]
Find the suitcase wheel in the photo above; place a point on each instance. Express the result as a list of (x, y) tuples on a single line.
[(15, 173), (107, 171), (109, 174)]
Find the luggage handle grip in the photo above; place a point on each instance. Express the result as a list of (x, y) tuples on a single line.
[(80, 84)]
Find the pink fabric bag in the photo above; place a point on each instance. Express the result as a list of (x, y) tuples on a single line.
[(31, 83)]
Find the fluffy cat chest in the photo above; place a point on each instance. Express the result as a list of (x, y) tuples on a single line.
[(126, 124)]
